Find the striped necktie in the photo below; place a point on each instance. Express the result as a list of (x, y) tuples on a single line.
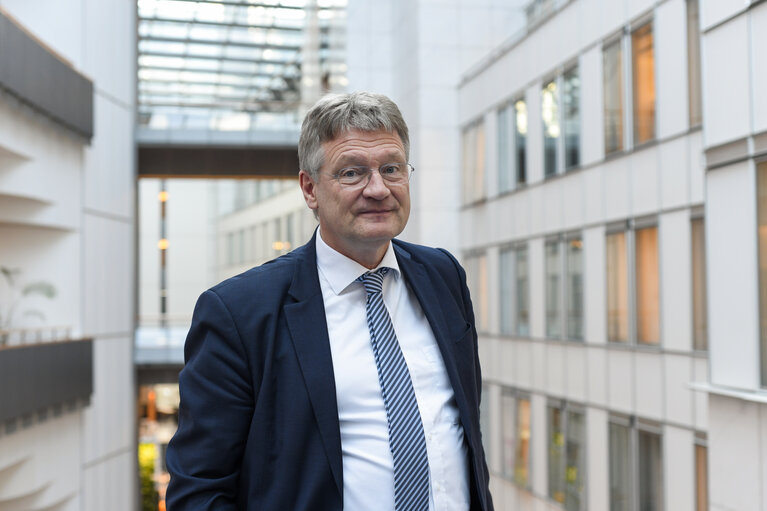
[(406, 438)]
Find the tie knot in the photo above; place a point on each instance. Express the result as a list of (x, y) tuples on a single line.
[(373, 280)]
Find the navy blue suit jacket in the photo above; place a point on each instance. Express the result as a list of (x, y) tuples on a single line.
[(258, 420)]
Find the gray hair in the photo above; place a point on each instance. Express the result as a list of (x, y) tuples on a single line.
[(336, 114)]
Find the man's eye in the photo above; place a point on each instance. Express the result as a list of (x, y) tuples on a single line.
[(350, 173), (390, 169)]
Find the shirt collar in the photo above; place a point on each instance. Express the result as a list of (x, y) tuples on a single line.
[(341, 271)]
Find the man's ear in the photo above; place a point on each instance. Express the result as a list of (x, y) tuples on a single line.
[(309, 189)]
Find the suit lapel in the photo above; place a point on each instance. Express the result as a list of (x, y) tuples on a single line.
[(444, 327), (309, 332)]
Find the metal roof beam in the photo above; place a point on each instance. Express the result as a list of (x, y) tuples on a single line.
[(150, 53), (243, 44), (221, 24)]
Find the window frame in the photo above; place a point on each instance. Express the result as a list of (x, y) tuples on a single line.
[(560, 142), (629, 229), (562, 242), (565, 409)]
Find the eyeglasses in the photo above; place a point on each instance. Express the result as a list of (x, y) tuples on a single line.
[(358, 175)]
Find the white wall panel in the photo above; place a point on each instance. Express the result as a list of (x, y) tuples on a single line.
[(573, 206), (527, 365), (598, 475), (678, 397), (108, 276), (109, 421), (678, 468), (644, 181), (734, 454), (726, 91), (109, 47), (675, 280), (649, 385), (621, 380), (732, 277), (674, 166), (700, 399), (538, 366), (670, 37), (595, 305), (109, 161), (758, 32), (555, 369), (716, 11), (617, 189), (538, 444), (597, 378), (592, 105), (697, 167), (575, 372)]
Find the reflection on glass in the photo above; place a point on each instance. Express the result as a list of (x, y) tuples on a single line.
[(761, 201), (522, 453), (612, 64), (550, 117), (520, 139), (701, 478), (508, 427), (572, 118), (643, 73), (522, 293), (507, 307), (556, 455), (574, 291), (694, 95), (647, 286), (620, 468), (553, 315), (617, 288), (699, 316), (650, 472), (575, 470), (504, 150)]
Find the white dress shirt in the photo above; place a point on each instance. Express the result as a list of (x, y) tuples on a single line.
[(368, 468)]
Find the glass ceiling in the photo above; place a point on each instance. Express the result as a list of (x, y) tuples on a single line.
[(236, 64)]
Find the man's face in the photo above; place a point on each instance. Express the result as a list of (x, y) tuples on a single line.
[(359, 221)]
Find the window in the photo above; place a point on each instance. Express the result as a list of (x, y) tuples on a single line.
[(522, 446), (647, 286), (643, 84), (612, 64), (640, 271), (550, 116), (520, 139), (699, 316), (572, 117), (566, 455), (473, 145), (693, 63), (514, 300), (505, 171), (701, 473), (635, 447), (476, 275), (561, 110), (515, 426), (512, 134), (508, 427), (553, 287), (617, 288), (564, 296), (761, 201), (522, 293), (574, 287)]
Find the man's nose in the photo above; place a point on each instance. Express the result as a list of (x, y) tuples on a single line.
[(375, 187)]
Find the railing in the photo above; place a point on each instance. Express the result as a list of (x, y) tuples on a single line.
[(23, 336)]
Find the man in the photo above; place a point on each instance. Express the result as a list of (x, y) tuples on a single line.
[(345, 374)]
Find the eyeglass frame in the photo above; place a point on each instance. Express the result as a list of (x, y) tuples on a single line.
[(368, 171)]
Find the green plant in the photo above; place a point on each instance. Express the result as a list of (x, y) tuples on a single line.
[(17, 294), (147, 453)]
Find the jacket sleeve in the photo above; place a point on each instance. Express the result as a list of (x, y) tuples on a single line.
[(217, 400)]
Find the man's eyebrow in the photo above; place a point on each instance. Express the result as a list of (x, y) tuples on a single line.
[(359, 160)]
